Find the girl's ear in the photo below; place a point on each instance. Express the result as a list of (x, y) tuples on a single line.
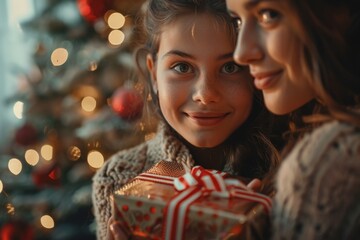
[(152, 70)]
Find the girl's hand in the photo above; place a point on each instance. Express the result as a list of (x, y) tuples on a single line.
[(117, 230)]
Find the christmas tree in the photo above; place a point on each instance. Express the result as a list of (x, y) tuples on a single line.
[(80, 103)]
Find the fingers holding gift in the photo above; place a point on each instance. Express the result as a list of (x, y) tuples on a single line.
[(117, 230)]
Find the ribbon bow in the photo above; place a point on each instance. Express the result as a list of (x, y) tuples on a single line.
[(198, 183)]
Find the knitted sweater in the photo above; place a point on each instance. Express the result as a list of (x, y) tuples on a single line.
[(127, 164), (318, 186)]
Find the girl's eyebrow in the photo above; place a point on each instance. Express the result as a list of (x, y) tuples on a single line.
[(186, 55), (178, 53)]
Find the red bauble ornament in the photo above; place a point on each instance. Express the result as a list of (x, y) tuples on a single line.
[(47, 175), (92, 10), (26, 135), (127, 103), (16, 230)]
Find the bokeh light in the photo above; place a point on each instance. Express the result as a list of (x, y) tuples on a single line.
[(32, 157), (47, 221), (47, 152), (88, 104), (18, 109), (59, 56), (1, 186), (116, 37), (95, 159), (15, 166), (116, 20)]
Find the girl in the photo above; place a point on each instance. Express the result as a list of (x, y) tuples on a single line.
[(304, 56), (206, 101)]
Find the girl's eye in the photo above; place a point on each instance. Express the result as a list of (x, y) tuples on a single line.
[(231, 68), (182, 68), (268, 16)]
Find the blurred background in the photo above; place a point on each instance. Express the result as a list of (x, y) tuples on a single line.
[(69, 98)]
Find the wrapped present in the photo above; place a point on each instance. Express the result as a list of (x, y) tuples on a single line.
[(168, 202)]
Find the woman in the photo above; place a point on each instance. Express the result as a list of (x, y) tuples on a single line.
[(305, 58)]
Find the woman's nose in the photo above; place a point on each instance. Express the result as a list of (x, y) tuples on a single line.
[(248, 45)]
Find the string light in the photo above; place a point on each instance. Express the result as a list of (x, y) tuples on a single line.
[(15, 166)]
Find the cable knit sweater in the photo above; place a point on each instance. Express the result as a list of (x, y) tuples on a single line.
[(127, 164), (318, 186)]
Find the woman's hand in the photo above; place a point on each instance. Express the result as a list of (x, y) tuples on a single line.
[(255, 185), (117, 230)]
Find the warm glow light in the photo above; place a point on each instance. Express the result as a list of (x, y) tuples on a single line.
[(74, 153), (47, 221), (116, 37), (59, 56), (93, 66), (95, 159), (10, 209), (15, 166), (18, 109), (32, 157), (47, 152), (88, 104), (116, 20), (1, 186)]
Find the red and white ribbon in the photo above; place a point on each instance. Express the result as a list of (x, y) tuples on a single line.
[(199, 183)]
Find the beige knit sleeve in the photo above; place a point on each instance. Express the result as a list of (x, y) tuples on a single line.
[(118, 170)]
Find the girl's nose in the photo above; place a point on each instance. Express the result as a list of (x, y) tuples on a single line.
[(248, 45), (206, 90)]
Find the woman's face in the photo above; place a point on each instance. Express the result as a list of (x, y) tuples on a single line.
[(269, 45), (202, 93)]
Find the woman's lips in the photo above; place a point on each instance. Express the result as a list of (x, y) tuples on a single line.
[(206, 119), (263, 81)]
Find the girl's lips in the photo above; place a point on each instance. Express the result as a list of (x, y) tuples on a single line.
[(264, 81), (206, 119)]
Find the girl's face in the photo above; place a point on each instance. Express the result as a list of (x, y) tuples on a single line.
[(268, 44), (202, 93)]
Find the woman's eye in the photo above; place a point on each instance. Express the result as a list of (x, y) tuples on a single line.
[(182, 68), (237, 23), (268, 16), (231, 68)]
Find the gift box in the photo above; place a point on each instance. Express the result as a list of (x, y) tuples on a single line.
[(170, 202)]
